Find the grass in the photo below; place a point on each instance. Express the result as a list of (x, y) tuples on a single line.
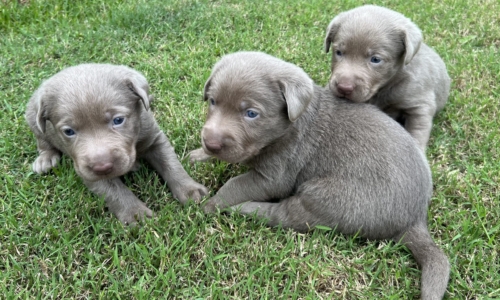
[(57, 240)]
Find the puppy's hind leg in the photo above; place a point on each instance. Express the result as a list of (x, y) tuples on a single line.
[(432, 260), (48, 156)]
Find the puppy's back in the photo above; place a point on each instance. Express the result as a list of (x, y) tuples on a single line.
[(370, 159)]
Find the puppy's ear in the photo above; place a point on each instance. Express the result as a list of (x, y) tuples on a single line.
[(206, 88), (331, 31), (140, 88), (37, 100), (412, 39), (298, 90)]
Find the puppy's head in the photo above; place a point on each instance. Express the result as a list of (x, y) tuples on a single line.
[(370, 45), (94, 113), (253, 98)]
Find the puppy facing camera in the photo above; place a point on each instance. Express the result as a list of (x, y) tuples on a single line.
[(378, 56), (330, 161), (98, 114)]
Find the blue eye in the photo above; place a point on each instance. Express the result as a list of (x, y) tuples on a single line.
[(338, 53), (251, 114), (375, 60), (212, 101), (118, 120), (69, 132)]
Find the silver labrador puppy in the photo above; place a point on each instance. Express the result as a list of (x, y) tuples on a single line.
[(378, 56), (331, 162), (98, 114)]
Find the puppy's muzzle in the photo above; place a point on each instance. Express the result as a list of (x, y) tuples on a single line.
[(215, 141), (102, 168), (345, 88), (214, 146), (101, 162)]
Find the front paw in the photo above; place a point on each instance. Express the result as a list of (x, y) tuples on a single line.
[(211, 206), (198, 155), (134, 213), (215, 204), (46, 161), (190, 190)]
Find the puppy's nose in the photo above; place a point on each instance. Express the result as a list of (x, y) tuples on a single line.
[(213, 146), (102, 168), (345, 88)]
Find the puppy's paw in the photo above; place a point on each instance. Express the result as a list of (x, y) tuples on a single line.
[(132, 214), (46, 161), (198, 155), (216, 204), (190, 190), (211, 206), (249, 208)]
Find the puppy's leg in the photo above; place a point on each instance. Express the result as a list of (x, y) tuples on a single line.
[(432, 260), (48, 156), (198, 155), (120, 200), (419, 123), (289, 213), (251, 186), (162, 157)]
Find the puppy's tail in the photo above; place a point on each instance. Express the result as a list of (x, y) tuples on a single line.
[(432, 260)]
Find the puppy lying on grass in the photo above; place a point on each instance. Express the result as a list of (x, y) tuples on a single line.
[(332, 162), (378, 56), (99, 115)]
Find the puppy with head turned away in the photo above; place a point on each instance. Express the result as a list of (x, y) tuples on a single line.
[(378, 56), (98, 114), (328, 161)]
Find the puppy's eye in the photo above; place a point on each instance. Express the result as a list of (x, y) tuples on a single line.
[(252, 114), (212, 101), (338, 53), (69, 132), (118, 120), (375, 60)]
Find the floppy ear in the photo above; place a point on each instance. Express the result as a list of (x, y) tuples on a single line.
[(331, 31), (298, 91), (412, 39), (140, 89), (206, 88), (38, 105)]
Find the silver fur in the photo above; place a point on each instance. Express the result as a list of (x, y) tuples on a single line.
[(410, 82), (329, 161), (87, 99)]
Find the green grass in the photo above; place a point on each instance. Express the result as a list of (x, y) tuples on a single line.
[(57, 240)]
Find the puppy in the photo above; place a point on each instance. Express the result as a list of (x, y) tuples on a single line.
[(98, 114), (330, 161), (378, 57)]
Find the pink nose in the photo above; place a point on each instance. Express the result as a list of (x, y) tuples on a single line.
[(213, 146), (345, 88), (102, 168)]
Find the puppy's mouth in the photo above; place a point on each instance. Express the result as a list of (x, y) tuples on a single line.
[(230, 153), (355, 96), (104, 170), (350, 90)]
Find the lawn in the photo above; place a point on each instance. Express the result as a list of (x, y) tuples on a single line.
[(57, 240)]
